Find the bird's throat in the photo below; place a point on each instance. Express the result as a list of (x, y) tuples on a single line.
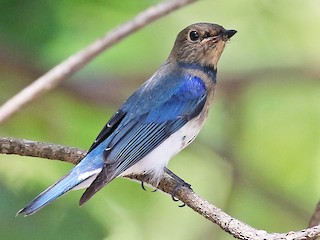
[(214, 56)]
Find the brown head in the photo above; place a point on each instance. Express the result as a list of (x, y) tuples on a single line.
[(200, 43)]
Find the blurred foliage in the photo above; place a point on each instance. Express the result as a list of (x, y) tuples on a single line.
[(258, 157)]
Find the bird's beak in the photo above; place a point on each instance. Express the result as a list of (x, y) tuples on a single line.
[(229, 33)]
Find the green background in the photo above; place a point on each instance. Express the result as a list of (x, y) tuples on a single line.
[(257, 157)]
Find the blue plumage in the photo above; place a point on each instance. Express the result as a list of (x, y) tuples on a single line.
[(162, 117)]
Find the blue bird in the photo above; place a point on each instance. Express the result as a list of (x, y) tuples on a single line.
[(156, 122)]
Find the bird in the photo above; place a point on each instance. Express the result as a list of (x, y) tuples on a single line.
[(157, 121)]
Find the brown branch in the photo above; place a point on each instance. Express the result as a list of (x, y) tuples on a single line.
[(167, 184), (315, 219), (75, 62), (50, 151)]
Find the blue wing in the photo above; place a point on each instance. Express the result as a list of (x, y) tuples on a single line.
[(152, 114)]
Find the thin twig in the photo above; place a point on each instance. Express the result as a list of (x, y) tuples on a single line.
[(167, 184), (50, 151), (75, 62), (315, 219)]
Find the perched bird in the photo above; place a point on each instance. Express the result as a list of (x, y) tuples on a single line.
[(156, 122)]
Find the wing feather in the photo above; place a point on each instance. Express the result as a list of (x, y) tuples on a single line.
[(112, 124)]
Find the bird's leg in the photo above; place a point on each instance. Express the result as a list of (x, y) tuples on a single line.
[(180, 183)]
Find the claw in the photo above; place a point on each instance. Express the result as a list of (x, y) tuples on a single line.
[(142, 185), (174, 199), (174, 193)]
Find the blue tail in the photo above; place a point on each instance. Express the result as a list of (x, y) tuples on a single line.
[(80, 176)]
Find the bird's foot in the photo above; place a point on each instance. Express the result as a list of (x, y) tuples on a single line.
[(146, 179), (180, 183), (143, 187)]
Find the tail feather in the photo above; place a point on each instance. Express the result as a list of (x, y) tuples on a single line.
[(79, 177), (99, 182)]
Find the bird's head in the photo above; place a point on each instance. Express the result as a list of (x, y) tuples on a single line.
[(200, 43)]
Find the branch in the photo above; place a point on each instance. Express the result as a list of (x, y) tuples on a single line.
[(50, 151), (75, 62), (167, 184), (315, 219)]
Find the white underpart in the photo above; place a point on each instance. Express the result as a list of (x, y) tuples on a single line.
[(157, 159)]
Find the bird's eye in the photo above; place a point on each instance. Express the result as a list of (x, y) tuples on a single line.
[(194, 36)]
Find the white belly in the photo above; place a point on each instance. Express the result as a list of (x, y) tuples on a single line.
[(157, 159)]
